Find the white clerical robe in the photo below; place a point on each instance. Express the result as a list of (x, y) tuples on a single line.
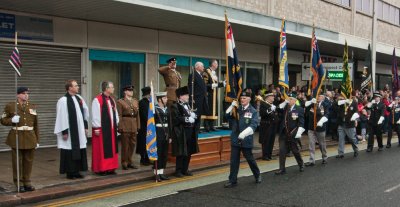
[(62, 122), (96, 114)]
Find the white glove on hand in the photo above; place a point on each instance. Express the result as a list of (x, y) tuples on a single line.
[(214, 85), (248, 131), (369, 105), (381, 120), (230, 108), (398, 122), (341, 102), (273, 107), (224, 83), (193, 115), (37, 146), (322, 121), (373, 101), (15, 119), (299, 132), (391, 105), (313, 100), (354, 117), (283, 104), (308, 103), (191, 120)]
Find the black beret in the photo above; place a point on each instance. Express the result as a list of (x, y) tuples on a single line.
[(182, 91), (146, 91), (22, 89), (247, 94), (128, 88), (171, 59)]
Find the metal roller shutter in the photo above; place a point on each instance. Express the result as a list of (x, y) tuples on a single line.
[(44, 71)]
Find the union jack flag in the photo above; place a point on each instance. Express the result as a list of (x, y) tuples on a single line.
[(317, 70)]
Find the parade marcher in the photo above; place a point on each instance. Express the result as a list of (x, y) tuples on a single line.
[(104, 131), (161, 119), (25, 121), (128, 126), (242, 137), (319, 110), (375, 122), (172, 79), (184, 142), (143, 114), (290, 130), (71, 129), (211, 79), (393, 121), (347, 116), (268, 125), (198, 94)]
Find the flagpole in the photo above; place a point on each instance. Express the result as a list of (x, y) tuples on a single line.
[(16, 125)]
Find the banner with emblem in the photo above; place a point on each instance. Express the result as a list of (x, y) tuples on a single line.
[(283, 64), (317, 72), (346, 88), (366, 80), (151, 136), (233, 73)]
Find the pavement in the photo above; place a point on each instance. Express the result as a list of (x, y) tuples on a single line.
[(51, 185)]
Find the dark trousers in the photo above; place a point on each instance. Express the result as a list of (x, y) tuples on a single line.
[(208, 124), (182, 164), (162, 153), (291, 143), (25, 166), (375, 130), (391, 128), (333, 129), (268, 142), (235, 162)]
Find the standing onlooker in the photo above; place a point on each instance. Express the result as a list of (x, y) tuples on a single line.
[(143, 113)]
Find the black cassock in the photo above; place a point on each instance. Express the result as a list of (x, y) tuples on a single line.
[(141, 138)]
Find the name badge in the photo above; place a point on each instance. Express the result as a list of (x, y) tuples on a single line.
[(322, 112), (32, 111), (248, 115)]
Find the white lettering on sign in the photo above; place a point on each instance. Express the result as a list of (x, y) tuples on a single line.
[(305, 69), (7, 25)]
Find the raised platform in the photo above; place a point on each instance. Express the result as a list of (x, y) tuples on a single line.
[(214, 148)]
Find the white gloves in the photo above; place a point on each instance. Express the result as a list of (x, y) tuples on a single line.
[(391, 105), (273, 107), (214, 85), (283, 104), (369, 105), (373, 101), (349, 101), (354, 117), (398, 122), (230, 108), (246, 132), (299, 132), (341, 102), (322, 121), (224, 83), (37, 146), (191, 120), (308, 103), (193, 115), (313, 100), (381, 120), (15, 119)]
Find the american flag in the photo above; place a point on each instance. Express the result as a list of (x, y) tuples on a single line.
[(15, 61)]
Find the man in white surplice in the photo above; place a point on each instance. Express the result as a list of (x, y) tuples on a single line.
[(71, 129)]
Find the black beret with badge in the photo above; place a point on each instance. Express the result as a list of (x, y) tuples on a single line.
[(128, 88), (22, 89), (173, 59)]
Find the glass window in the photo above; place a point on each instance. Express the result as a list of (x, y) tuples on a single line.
[(383, 80), (379, 9), (386, 11), (120, 73), (397, 17), (359, 5), (366, 6), (392, 14)]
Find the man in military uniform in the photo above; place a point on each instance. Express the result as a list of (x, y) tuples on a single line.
[(375, 122), (211, 79), (347, 115), (242, 138), (290, 130), (129, 123), (161, 118), (172, 79), (24, 121), (268, 125), (318, 113), (184, 141), (394, 121)]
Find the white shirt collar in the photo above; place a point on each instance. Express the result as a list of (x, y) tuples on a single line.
[(245, 107)]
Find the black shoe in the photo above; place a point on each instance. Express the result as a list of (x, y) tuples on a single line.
[(101, 173), (178, 175), (340, 156), (301, 168), (355, 154), (78, 175), (230, 185), (324, 162), (22, 189), (111, 173), (158, 179), (188, 173), (388, 146), (70, 176), (266, 158), (145, 163), (310, 164), (133, 166), (29, 188), (280, 172), (164, 177), (369, 149), (380, 149), (259, 179), (124, 167)]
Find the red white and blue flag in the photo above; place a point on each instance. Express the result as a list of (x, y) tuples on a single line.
[(15, 61), (317, 69), (395, 75), (283, 64), (233, 74)]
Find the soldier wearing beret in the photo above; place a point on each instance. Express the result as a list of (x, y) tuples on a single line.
[(128, 111), (25, 122), (172, 79)]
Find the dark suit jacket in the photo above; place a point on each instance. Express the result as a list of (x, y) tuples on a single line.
[(200, 94), (291, 120)]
